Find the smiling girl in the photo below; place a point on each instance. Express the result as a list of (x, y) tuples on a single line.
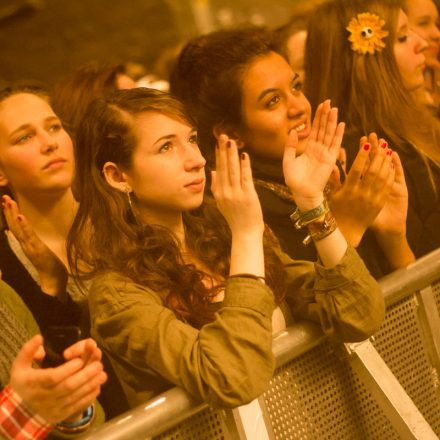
[(180, 293)]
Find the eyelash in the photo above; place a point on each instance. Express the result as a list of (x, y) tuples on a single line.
[(402, 38)]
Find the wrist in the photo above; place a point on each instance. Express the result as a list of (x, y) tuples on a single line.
[(80, 425), (309, 203)]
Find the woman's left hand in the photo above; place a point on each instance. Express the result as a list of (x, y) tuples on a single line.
[(306, 175)]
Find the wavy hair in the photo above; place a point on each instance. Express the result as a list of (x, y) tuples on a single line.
[(148, 254)]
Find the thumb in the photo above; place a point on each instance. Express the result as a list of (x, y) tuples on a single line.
[(290, 147), (29, 351)]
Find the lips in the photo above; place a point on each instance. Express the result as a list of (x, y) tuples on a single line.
[(196, 185), (54, 163), (302, 129)]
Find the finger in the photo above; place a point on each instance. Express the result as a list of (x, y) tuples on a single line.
[(400, 174), (376, 164), (316, 123), (330, 129), (359, 163), (213, 182), (374, 142), (28, 353), (343, 159), (233, 163), (86, 349), (221, 165), (52, 377), (337, 139), (326, 109), (247, 182), (84, 379), (290, 149)]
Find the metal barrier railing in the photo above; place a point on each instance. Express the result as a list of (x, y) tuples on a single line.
[(318, 385)]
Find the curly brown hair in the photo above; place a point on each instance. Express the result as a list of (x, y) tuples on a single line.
[(148, 254)]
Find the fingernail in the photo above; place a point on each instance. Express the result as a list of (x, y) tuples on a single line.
[(228, 144), (384, 145), (367, 146), (389, 152), (9, 204), (3, 205), (243, 156), (19, 217)]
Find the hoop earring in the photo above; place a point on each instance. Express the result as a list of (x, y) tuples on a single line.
[(127, 191)]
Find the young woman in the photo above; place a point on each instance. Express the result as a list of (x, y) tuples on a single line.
[(36, 172), (375, 87), (423, 18), (181, 295), (234, 82)]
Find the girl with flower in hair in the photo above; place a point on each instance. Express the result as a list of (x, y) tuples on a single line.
[(235, 82), (375, 83)]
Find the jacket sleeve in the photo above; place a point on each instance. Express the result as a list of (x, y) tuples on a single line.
[(345, 300), (226, 363)]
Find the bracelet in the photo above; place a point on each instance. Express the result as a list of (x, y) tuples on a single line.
[(318, 230), (79, 425), (301, 219), (249, 275)]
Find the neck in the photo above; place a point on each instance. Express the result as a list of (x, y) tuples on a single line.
[(171, 220), (51, 218)]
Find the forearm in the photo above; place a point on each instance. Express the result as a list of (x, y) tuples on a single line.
[(247, 255), (332, 248)]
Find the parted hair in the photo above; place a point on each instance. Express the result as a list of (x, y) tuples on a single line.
[(105, 235)]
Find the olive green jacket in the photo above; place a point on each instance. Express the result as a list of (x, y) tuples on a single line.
[(229, 361)]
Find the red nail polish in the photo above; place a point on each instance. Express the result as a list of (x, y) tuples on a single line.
[(228, 144), (367, 146), (243, 156), (9, 204), (389, 152), (19, 217), (384, 145)]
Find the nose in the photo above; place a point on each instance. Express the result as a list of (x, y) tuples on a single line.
[(48, 143), (193, 158), (420, 43), (435, 33), (295, 105)]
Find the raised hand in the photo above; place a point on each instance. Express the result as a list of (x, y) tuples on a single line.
[(58, 393), (358, 201), (233, 189), (237, 200), (306, 175), (52, 272)]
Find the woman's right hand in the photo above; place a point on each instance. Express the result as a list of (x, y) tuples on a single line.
[(52, 272), (234, 191)]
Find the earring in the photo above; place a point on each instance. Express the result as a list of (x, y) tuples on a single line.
[(127, 190)]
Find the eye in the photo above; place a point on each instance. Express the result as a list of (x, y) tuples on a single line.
[(23, 139), (297, 86), (166, 147), (56, 126), (193, 139), (273, 101), (402, 38)]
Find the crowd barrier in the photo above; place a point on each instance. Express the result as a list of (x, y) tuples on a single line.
[(384, 388)]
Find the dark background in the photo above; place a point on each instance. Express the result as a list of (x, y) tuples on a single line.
[(45, 39)]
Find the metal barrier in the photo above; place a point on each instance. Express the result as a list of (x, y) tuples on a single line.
[(384, 388)]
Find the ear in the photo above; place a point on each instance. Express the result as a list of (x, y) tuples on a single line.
[(115, 177), (231, 132)]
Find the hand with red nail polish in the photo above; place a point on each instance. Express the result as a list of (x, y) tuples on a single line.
[(52, 272)]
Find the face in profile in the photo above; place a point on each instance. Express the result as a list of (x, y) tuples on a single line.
[(423, 18), (408, 51), (273, 104), (36, 153), (168, 171)]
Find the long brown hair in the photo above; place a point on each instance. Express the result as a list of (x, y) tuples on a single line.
[(148, 254), (367, 89)]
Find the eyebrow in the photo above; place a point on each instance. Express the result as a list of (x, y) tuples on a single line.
[(26, 126), (166, 137), (274, 89)]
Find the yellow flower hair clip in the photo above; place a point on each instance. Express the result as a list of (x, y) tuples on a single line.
[(366, 33)]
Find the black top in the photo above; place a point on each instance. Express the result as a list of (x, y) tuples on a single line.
[(46, 309)]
